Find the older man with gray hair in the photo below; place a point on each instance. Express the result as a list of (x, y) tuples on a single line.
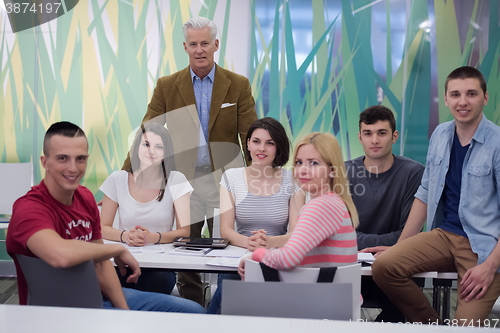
[(213, 106)]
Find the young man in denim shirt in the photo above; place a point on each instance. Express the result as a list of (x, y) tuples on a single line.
[(459, 198)]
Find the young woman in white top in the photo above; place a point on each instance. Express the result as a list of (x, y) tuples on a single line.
[(261, 199), (146, 199)]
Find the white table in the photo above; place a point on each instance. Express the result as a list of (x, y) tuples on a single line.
[(367, 271), (194, 263), (27, 319), (180, 262), (441, 281)]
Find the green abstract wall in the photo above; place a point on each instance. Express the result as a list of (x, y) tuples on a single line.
[(313, 64), (354, 54)]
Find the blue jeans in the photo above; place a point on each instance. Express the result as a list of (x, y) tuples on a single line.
[(215, 303), (146, 301)]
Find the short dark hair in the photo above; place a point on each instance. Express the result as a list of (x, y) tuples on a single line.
[(278, 134), (168, 163), (466, 72), (64, 128), (376, 113)]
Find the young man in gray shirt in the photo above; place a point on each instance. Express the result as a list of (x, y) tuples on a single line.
[(382, 187)]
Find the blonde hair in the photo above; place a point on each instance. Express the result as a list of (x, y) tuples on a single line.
[(328, 147)]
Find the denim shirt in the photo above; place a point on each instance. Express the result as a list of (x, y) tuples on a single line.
[(479, 206)]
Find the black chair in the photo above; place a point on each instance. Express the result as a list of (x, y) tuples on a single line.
[(76, 286)]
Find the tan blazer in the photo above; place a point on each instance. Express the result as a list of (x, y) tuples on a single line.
[(232, 111)]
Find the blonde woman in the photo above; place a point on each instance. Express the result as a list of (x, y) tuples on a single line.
[(325, 231)]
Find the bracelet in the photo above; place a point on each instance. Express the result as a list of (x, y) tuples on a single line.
[(121, 235), (159, 239)]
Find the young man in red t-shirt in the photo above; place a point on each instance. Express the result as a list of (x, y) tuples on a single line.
[(58, 222)]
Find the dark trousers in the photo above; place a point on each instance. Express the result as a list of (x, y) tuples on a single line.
[(157, 280), (204, 199), (373, 296)]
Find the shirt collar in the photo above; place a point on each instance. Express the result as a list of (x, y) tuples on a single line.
[(210, 75), (479, 135)]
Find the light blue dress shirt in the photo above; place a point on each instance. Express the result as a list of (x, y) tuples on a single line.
[(479, 206), (203, 95)]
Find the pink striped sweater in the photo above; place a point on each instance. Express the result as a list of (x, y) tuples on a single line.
[(324, 236)]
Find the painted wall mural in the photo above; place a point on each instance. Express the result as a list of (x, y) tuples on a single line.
[(323, 62), (313, 64)]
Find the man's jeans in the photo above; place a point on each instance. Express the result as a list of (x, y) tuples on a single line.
[(146, 301)]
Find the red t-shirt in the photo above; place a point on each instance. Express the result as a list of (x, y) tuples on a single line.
[(38, 210)]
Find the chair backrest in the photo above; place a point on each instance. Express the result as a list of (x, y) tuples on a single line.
[(299, 297), (76, 286), (15, 180)]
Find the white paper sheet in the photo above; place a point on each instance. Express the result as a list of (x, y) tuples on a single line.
[(148, 248), (226, 262), (233, 252), (190, 251), (365, 257)]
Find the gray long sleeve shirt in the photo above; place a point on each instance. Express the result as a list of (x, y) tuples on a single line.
[(383, 200)]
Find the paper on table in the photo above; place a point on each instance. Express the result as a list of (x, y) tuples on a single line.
[(226, 262), (190, 251), (149, 248), (365, 257), (233, 252), (152, 248)]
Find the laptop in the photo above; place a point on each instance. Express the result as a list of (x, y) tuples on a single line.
[(218, 243)]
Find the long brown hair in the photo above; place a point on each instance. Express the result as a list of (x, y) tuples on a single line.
[(167, 164)]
